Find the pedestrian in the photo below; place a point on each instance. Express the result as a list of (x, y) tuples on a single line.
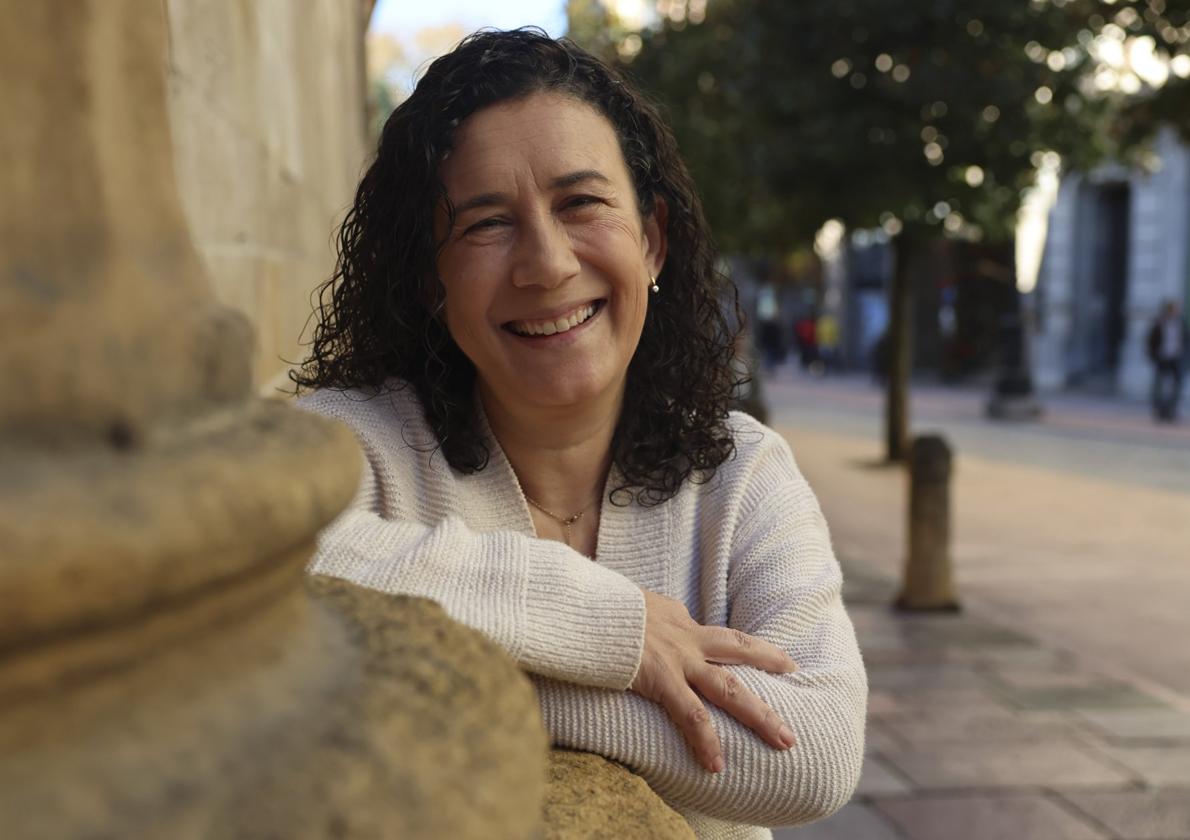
[(827, 332), (1167, 342), (768, 328), (806, 332)]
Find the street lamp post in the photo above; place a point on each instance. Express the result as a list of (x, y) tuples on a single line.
[(1013, 397)]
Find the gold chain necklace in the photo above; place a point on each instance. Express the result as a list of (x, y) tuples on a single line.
[(564, 521)]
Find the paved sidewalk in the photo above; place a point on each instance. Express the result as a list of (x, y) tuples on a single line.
[(1057, 705), (978, 732)]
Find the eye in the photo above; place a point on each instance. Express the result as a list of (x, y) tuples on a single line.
[(578, 201), (485, 224)]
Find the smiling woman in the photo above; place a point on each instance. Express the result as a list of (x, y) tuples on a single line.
[(525, 285)]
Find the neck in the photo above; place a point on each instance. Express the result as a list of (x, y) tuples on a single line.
[(561, 456)]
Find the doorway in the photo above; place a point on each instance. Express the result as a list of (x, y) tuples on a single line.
[(1099, 299)]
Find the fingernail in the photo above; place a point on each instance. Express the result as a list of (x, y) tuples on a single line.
[(717, 764), (786, 736), (790, 667)]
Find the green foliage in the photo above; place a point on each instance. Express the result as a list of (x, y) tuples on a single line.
[(790, 114), (383, 103), (590, 23), (1167, 23), (1141, 118)]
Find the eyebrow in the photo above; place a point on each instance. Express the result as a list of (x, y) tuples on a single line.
[(578, 177), (560, 183)]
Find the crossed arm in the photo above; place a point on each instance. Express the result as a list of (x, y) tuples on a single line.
[(783, 591), (586, 633)]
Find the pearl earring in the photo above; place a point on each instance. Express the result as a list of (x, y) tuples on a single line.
[(654, 287)]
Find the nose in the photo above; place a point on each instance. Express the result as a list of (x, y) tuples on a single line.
[(544, 253)]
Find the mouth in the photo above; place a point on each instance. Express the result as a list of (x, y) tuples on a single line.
[(555, 326)]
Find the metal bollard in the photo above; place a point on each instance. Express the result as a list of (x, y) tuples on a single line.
[(928, 582)]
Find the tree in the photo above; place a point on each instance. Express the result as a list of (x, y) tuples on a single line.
[(603, 30), (1160, 96), (925, 117)]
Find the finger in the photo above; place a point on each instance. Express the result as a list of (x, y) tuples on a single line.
[(724, 689), (690, 715), (728, 646)]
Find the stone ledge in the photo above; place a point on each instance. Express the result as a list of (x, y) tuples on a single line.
[(591, 798)]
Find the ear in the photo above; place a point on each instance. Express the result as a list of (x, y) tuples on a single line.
[(656, 239)]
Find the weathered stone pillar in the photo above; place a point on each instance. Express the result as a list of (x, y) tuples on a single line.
[(163, 672), (928, 581)]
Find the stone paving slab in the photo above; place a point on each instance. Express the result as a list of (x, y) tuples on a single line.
[(968, 633), (1014, 655), (1042, 763), (980, 723), (855, 821), (882, 703), (1038, 678), (882, 628), (879, 779), (1166, 724), (976, 732), (1136, 814), (907, 700), (878, 739), (1094, 695), (1022, 656), (1157, 766), (986, 817), (918, 676)]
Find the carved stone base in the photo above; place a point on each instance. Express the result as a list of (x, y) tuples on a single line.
[(266, 713)]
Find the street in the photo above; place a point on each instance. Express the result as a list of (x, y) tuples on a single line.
[(1057, 704), (1076, 528)]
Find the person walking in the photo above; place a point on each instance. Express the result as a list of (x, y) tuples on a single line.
[(805, 330), (827, 333), (768, 328), (1167, 342)]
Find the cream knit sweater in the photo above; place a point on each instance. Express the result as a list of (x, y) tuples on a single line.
[(748, 550)]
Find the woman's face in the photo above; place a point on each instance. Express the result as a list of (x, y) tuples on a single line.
[(546, 270)]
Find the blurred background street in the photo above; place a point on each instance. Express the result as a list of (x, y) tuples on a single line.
[(1069, 710), (1072, 529), (1058, 703)]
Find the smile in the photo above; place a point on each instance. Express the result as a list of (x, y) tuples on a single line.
[(561, 324)]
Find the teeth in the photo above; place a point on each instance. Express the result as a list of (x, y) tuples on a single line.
[(560, 325)]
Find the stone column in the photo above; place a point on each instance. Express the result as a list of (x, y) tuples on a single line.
[(163, 672)]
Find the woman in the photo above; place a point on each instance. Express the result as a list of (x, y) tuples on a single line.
[(524, 330)]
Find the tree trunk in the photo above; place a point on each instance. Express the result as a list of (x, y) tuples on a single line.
[(900, 348)]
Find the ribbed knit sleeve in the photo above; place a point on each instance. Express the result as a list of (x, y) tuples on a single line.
[(557, 613), (782, 584)]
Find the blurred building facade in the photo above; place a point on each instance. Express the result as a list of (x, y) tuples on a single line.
[(269, 124), (1118, 246)]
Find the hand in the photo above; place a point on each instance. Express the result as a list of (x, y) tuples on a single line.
[(680, 655)]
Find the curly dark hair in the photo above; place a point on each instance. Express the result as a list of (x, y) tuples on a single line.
[(378, 316)]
